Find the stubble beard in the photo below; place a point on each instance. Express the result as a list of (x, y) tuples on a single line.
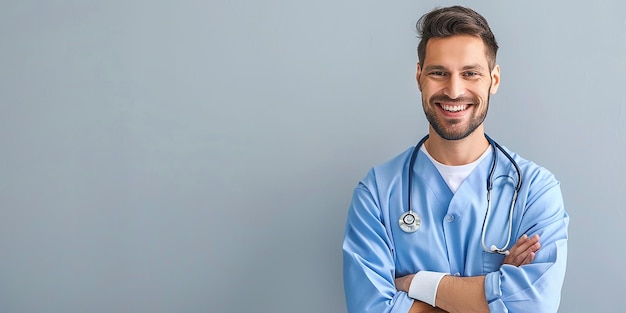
[(454, 130)]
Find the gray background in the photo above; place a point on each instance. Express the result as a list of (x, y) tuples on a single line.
[(200, 156)]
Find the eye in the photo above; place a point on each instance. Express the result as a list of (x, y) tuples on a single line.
[(438, 73), (472, 74)]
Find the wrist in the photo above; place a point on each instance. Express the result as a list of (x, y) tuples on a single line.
[(407, 282)]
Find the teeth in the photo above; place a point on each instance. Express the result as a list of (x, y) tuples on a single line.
[(454, 108)]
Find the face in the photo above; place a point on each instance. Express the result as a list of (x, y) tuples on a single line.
[(456, 83)]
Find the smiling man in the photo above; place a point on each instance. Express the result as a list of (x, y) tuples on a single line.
[(457, 223)]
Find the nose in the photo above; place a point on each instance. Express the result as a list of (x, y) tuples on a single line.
[(454, 87)]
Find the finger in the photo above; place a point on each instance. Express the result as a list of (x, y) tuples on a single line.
[(519, 247), (520, 253), (516, 257), (529, 259), (531, 245), (535, 247), (525, 242), (528, 241), (522, 256), (534, 238), (520, 241), (526, 248), (519, 244), (519, 258)]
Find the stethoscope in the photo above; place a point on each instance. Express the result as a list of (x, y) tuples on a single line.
[(411, 221)]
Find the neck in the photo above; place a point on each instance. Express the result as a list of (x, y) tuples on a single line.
[(457, 152)]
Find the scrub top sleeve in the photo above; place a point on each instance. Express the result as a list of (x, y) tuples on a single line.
[(535, 287), (368, 262)]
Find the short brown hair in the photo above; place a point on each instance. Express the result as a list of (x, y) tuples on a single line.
[(451, 21)]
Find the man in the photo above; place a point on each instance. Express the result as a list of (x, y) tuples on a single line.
[(452, 254)]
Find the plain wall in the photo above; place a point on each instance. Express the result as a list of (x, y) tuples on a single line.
[(200, 156)]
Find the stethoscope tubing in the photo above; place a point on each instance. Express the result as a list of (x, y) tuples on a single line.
[(495, 146)]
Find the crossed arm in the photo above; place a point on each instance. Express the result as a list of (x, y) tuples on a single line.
[(467, 294), (370, 263)]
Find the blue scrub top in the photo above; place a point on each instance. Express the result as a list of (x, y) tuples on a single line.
[(376, 250)]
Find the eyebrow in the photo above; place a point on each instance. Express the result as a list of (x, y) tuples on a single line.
[(464, 68), (473, 67), (435, 68)]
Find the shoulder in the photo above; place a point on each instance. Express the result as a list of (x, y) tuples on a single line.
[(532, 172), (389, 171), (371, 195), (537, 181)]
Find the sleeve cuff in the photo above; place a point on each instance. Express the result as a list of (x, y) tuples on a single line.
[(424, 286), (493, 290)]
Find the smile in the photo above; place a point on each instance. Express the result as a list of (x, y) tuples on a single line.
[(454, 108)]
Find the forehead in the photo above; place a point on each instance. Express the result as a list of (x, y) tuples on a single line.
[(456, 51)]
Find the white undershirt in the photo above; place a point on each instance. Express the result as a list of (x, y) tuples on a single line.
[(454, 175)]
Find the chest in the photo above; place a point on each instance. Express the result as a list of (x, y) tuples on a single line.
[(450, 235)]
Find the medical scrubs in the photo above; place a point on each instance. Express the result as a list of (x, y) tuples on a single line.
[(376, 250)]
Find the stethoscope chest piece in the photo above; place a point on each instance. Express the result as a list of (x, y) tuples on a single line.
[(410, 222)]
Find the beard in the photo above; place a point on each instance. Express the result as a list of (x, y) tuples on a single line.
[(454, 130)]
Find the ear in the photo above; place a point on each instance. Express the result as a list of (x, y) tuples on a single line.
[(495, 79), (418, 76)]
